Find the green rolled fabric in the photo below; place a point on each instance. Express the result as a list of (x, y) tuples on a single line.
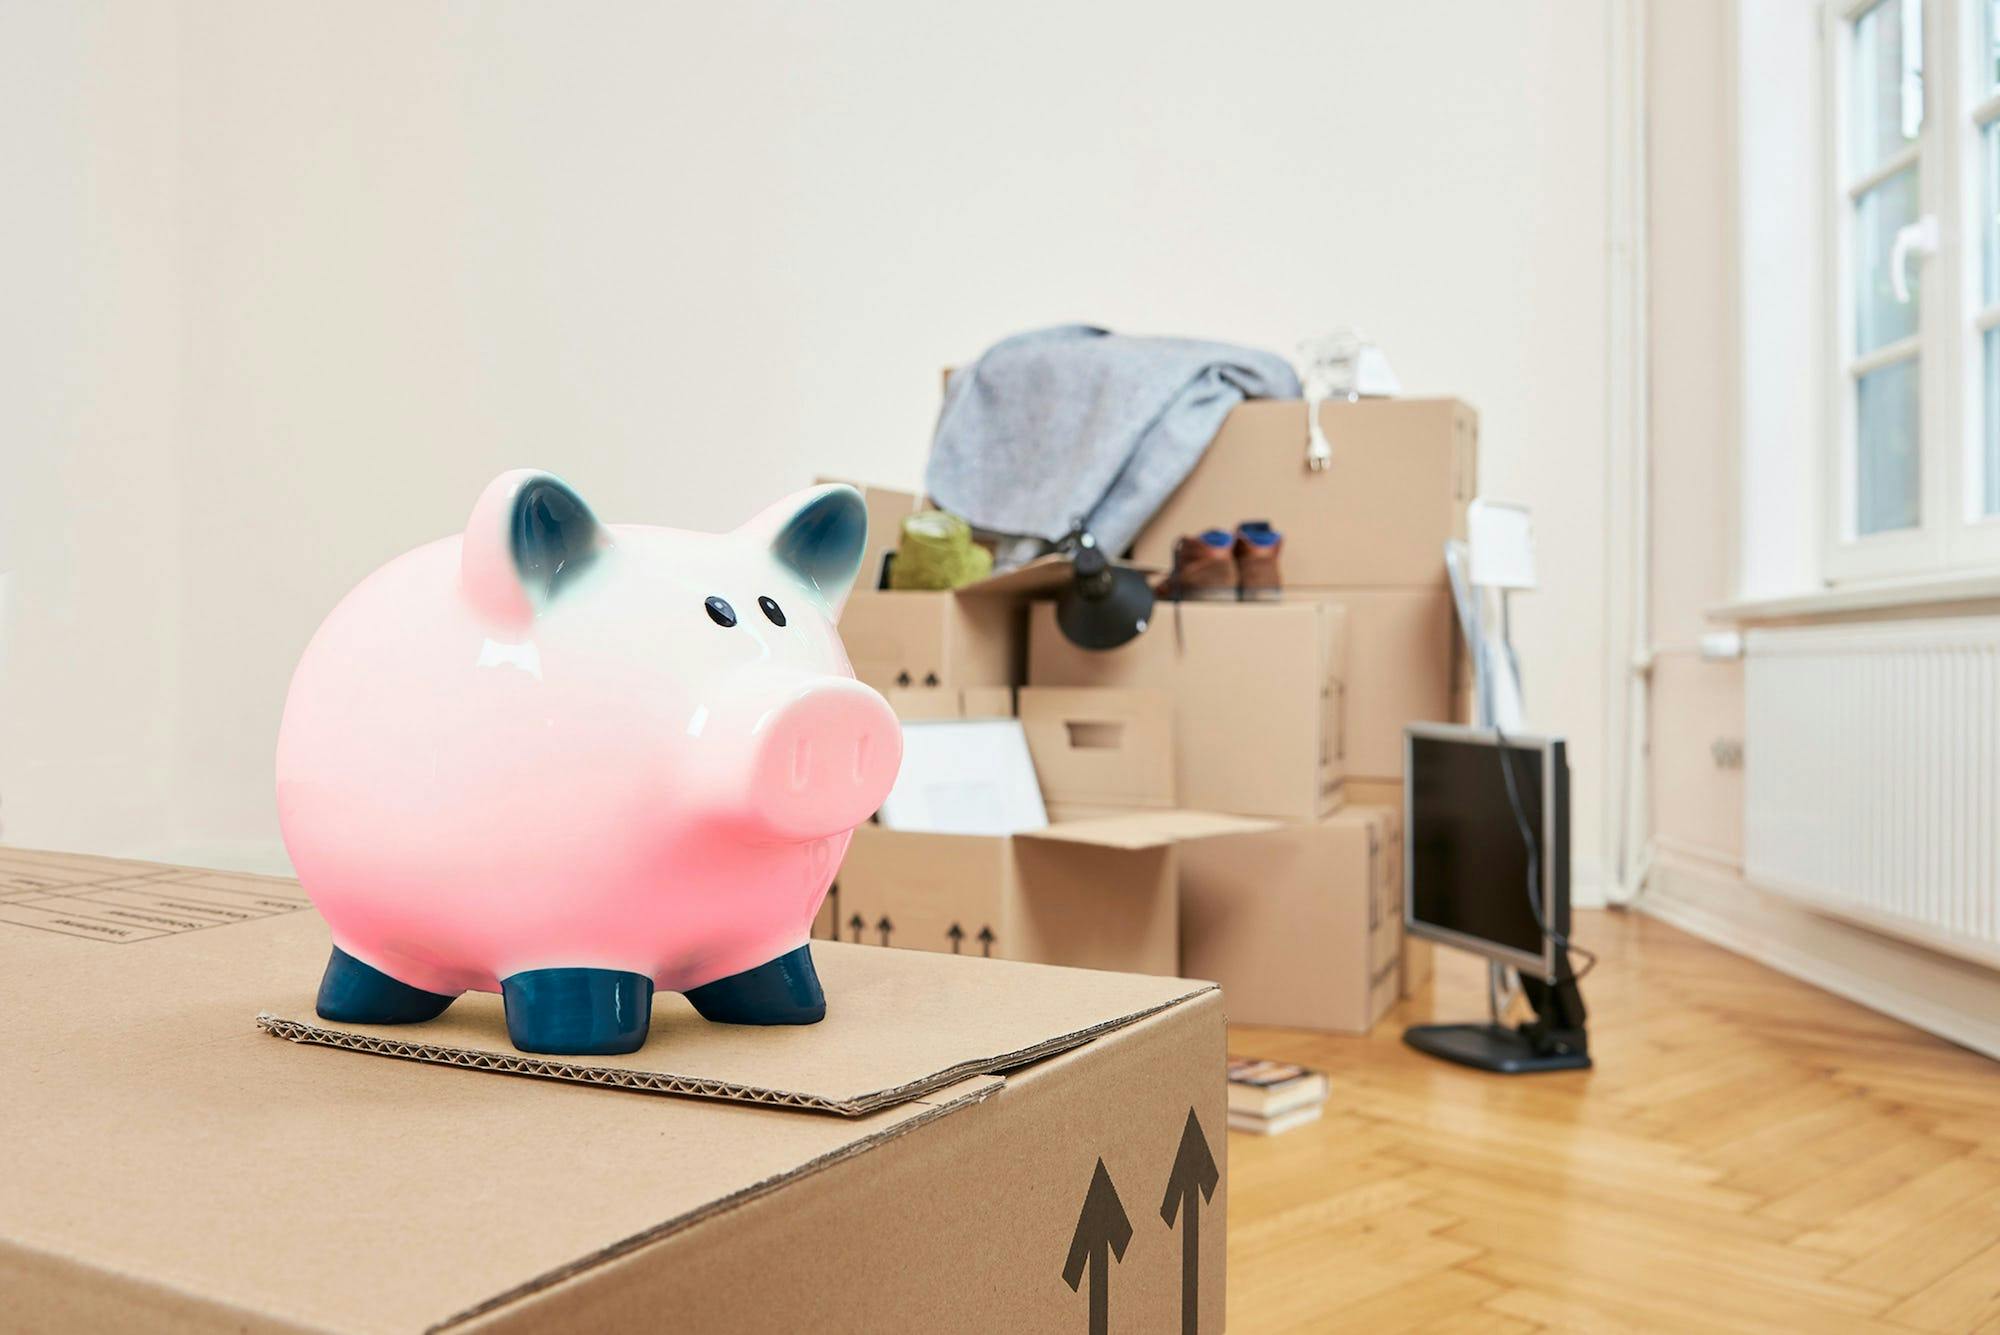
[(937, 552)]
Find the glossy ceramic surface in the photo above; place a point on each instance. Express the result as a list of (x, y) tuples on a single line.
[(554, 744)]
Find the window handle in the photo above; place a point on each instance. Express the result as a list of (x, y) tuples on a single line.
[(1914, 238)]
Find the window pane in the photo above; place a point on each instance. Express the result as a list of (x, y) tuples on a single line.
[(1989, 455), (1878, 317), (1989, 213), (1885, 449), (1888, 81)]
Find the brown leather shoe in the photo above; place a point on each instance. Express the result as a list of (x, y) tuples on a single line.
[(1257, 548), (1204, 569)]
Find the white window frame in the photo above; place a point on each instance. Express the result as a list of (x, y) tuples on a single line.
[(1952, 536)]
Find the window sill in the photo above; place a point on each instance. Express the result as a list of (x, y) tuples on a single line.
[(1934, 592)]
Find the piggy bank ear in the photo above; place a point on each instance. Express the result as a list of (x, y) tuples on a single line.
[(528, 536), (819, 535)]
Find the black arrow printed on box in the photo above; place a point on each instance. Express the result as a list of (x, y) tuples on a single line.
[(1102, 1230), (1194, 1170), (885, 927), (986, 940), (954, 934), (854, 925)]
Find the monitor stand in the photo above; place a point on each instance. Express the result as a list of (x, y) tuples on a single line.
[(1553, 1041)]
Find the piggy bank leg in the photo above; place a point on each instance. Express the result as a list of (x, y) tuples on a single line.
[(784, 991), (355, 993), (577, 1012)]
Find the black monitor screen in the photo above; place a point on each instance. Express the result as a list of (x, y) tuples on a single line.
[(1468, 862)]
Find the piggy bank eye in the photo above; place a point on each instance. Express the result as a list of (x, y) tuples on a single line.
[(720, 612), (772, 610)]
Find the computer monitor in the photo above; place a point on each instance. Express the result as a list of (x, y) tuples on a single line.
[(1486, 869), (1466, 864)]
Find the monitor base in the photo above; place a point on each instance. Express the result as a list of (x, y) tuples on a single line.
[(1493, 1047)]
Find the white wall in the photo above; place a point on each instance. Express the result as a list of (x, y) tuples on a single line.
[(1778, 153), (1700, 352), (689, 256), (90, 340)]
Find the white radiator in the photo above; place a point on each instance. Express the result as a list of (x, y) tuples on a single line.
[(1872, 775)]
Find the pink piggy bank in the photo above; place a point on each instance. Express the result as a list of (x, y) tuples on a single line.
[(572, 762)]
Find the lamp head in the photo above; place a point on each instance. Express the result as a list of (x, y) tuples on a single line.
[(1105, 605)]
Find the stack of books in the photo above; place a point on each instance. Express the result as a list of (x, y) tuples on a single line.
[(1267, 1097)]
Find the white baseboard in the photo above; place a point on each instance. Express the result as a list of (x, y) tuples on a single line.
[(1951, 998)]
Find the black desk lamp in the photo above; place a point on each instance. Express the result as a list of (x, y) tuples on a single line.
[(1105, 605)]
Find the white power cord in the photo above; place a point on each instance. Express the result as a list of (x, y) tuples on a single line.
[(1339, 365)]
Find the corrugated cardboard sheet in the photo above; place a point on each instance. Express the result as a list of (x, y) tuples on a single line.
[(896, 1028)]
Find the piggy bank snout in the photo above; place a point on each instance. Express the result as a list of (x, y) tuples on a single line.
[(825, 760)]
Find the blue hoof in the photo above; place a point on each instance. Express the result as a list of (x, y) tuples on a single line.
[(351, 992), (578, 1012), (784, 991)]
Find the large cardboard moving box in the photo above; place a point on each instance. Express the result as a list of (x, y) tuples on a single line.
[(961, 1145), (1301, 924), (1402, 473), (1258, 698), (1094, 894), (904, 640), (1402, 660)]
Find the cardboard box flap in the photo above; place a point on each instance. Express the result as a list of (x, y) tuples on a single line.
[(1147, 829), (899, 1025), (1043, 577)]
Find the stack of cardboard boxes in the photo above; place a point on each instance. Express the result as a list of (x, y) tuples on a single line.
[(1224, 791)]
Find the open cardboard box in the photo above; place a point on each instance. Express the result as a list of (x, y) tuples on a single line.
[(1096, 888), (1094, 894), (911, 642), (959, 1146), (922, 639)]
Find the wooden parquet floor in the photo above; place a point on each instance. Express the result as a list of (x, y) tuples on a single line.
[(1750, 1154)]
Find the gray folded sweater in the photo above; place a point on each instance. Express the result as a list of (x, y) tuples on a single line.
[(1056, 425)]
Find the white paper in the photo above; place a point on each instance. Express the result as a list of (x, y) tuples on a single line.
[(965, 776)]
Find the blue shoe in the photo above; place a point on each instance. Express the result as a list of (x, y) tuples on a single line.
[(351, 992), (784, 991), (578, 1012)]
